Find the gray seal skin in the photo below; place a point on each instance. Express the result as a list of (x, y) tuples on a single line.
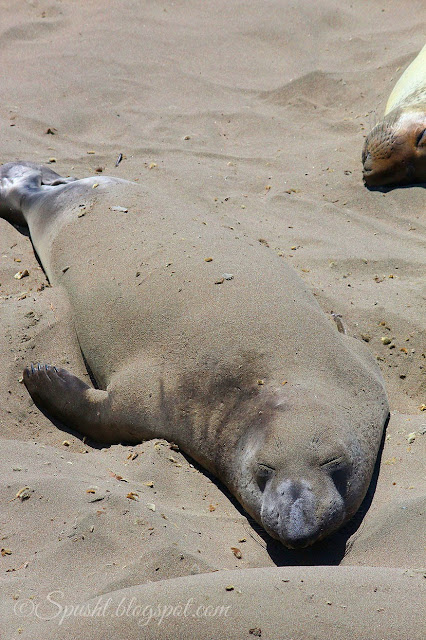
[(395, 150), (247, 375)]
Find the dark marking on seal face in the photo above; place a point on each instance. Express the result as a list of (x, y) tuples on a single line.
[(174, 356), (217, 405)]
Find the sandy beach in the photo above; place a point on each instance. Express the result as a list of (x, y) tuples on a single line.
[(256, 113)]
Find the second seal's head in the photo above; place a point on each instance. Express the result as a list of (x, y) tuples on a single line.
[(395, 150)]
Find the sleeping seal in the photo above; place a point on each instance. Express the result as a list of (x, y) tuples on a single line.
[(205, 339), (395, 150)]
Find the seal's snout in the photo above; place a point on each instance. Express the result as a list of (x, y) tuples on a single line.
[(289, 513), (378, 166), (298, 513), (378, 172)]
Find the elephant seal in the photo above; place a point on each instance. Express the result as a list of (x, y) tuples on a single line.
[(190, 333), (395, 150)]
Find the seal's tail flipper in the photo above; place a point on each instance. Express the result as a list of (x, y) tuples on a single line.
[(20, 179), (52, 179), (20, 168)]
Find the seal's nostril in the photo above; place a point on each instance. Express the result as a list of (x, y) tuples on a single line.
[(295, 491)]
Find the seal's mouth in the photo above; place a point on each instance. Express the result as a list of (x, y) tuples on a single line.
[(400, 169), (381, 178), (301, 544), (372, 178)]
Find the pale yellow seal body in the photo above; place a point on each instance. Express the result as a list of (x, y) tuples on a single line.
[(198, 334), (395, 149)]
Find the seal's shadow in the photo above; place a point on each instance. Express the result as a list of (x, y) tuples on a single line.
[(92, 444), (24, 231), (392, 187)]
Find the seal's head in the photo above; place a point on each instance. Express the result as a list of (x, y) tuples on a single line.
[(395, 150), (306, 473)]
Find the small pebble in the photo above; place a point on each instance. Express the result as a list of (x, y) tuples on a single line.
[(21, 274), (122, 209), (24, 493)]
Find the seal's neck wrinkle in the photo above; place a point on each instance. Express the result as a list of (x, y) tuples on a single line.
[(218, 427), (213, 408)]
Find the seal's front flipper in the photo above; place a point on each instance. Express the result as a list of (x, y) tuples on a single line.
[(71, 401)]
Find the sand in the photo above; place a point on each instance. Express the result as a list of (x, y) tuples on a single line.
[(256, 112)]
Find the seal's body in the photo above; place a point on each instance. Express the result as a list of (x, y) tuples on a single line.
[(230, 357), (395, 150)]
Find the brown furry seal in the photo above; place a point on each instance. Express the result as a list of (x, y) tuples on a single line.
[(196, 351), (395, 150)]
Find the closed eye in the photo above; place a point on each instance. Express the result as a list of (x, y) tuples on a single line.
[(265, 468), (421, 138), (264, 473), (339, 473), (334, 463)]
